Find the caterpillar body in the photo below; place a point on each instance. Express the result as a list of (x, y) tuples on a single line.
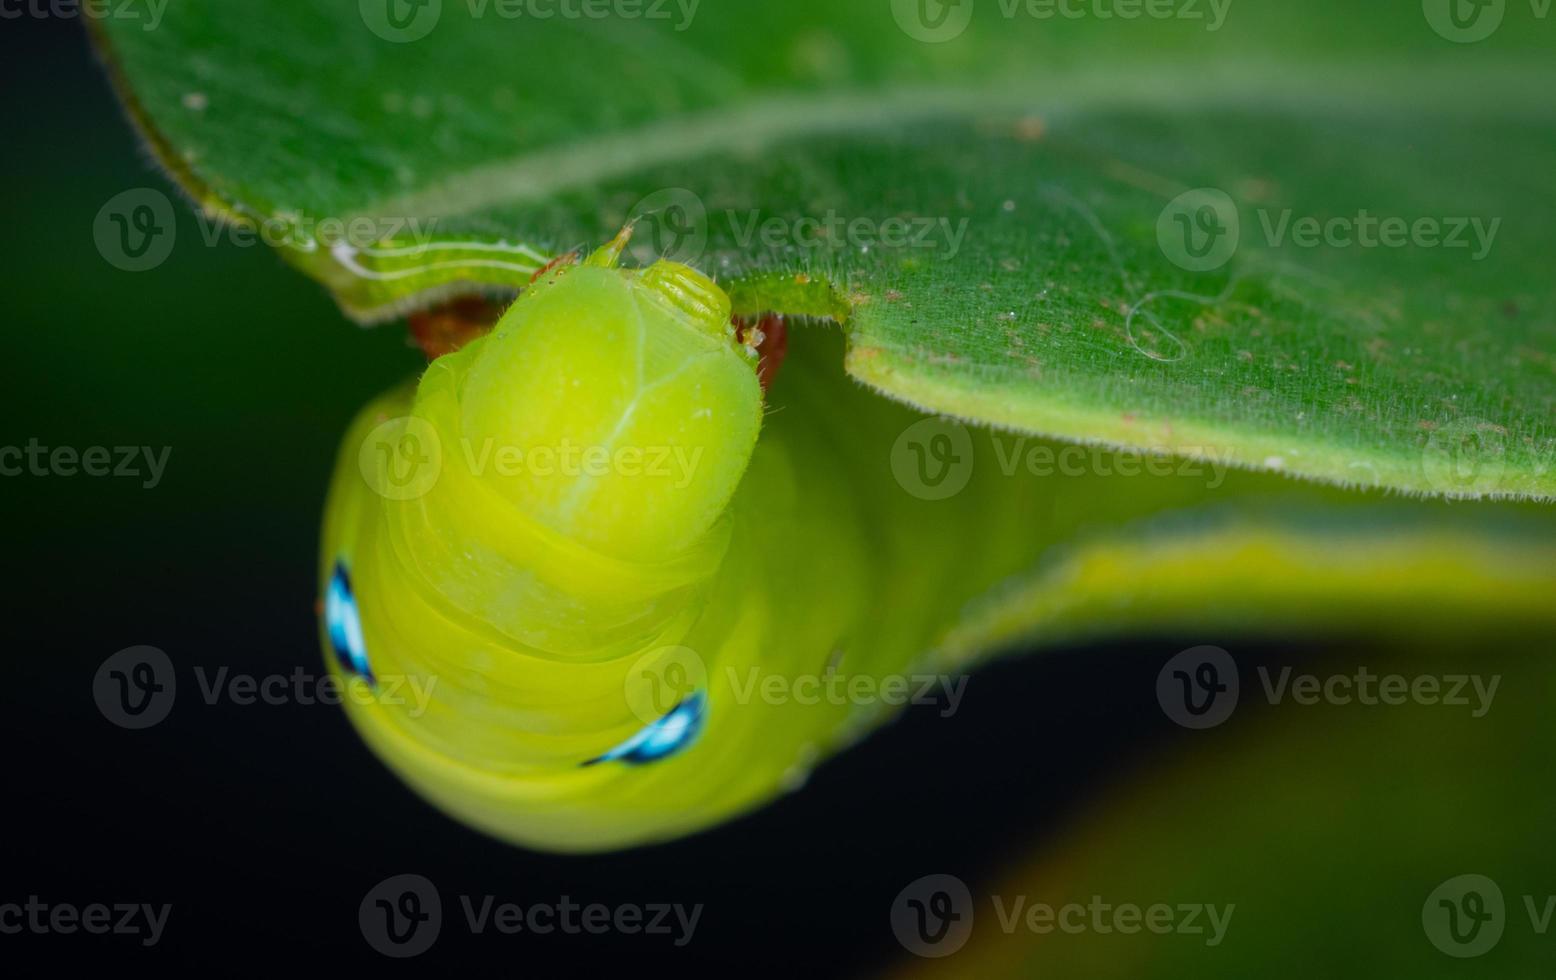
[(637, 595), (599, 643)]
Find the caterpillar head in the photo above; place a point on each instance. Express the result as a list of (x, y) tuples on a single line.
[(518, 547)]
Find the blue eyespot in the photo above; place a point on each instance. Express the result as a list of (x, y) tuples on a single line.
[(344, 625), (676, 731)]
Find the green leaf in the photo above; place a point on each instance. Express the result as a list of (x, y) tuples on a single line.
[(1043, 159), (1333, 825)]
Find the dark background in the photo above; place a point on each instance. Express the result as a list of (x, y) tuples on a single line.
[(264, 826)]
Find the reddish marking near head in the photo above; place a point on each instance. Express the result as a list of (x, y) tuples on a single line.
[(567, 259), (445, 328), (772, 343)]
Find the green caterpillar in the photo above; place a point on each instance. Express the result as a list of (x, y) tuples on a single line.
[(643, 596)]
